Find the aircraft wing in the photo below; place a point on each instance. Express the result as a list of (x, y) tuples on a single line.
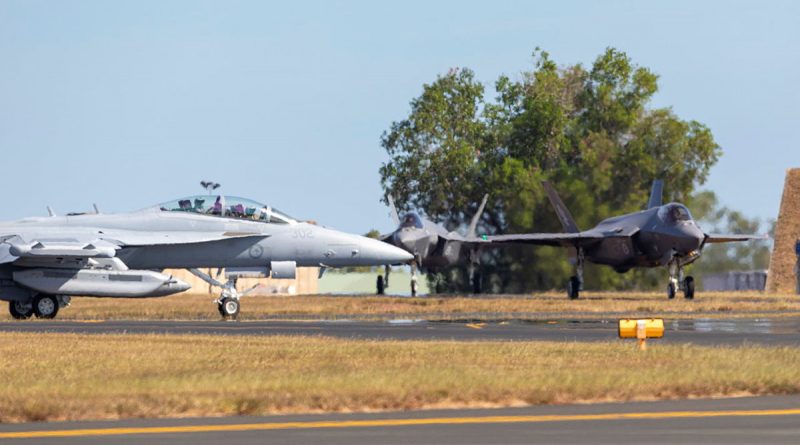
[(13, 248), (716, 238), (66, 248), (548, 239), (136, 238)]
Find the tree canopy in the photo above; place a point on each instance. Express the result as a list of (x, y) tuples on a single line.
[(589, 130)]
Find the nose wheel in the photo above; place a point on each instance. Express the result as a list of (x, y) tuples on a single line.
[(383, 281), (677, 282), (229, 308), (228, 303), (414, 268)]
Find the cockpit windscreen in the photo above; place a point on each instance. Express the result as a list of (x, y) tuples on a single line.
[(411, 220), (674, 213), (228, 207)]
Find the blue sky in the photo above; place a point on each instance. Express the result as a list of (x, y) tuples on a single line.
[(127, 104)]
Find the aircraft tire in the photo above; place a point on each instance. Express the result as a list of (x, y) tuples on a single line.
[(671, 290), (45, 306), (573, 288), (413, 288), (18, 311), (688, 288), (477, 285), (380, 286), (229, 308)]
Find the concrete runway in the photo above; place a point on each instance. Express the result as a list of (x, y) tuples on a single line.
[(775, 331), (725, 421)]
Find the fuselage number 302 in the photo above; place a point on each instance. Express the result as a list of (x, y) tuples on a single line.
[(303, 234)]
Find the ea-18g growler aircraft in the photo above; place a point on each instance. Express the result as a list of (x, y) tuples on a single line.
[(661, 235), (46, 260)]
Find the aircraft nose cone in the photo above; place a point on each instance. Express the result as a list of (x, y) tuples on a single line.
[(379, 252), (694, 237)]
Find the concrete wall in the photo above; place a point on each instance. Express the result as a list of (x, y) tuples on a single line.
[(783, 263), (754, 280), (305, 283)]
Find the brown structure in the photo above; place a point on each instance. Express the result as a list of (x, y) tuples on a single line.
[(305, 283), (782, 276)]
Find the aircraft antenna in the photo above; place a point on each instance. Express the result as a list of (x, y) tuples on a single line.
[(210, 186)]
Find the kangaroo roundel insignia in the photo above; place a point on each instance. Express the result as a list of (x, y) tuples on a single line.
[(256, 251)]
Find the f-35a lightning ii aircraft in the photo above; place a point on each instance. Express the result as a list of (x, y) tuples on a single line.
[(433, 246), (44, 261), (661, 235)]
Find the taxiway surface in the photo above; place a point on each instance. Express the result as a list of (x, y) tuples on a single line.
[(729, 421), (777, 331)]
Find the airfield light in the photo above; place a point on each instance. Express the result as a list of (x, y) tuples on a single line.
[(641, 330)]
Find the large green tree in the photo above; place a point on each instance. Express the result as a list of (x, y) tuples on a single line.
[(588, 130)]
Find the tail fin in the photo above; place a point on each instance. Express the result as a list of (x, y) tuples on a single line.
[(473, 225), (655, 194), (561, 210), (393, 211)]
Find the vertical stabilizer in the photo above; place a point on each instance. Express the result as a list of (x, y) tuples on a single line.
[(561, 210), (473, 225), (656, 194)]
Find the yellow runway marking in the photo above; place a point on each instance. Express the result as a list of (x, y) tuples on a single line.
[(476, 325), (392, 422)]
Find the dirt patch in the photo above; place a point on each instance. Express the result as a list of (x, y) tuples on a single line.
[(782, 276)]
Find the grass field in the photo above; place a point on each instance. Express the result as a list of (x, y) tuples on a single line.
[(540, 306), (67, 377)]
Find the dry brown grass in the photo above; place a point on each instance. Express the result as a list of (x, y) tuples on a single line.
[(540, 306), (68, 377)]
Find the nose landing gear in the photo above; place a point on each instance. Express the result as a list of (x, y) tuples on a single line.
[(678, 282), (228, 303)]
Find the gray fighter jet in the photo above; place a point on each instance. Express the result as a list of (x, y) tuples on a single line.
[(46, 260), (433, 246), (661, 235)]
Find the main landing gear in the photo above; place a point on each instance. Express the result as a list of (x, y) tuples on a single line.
[(228, 303), (42, 306), (475, 278), (575, 283), (677, 282), (414, 268)]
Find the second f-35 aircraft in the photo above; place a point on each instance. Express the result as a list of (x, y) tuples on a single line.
[(433, 246), (661, 235)]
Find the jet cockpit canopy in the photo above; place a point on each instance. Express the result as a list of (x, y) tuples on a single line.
[(227, 207), (411, 220), (674, 213)]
